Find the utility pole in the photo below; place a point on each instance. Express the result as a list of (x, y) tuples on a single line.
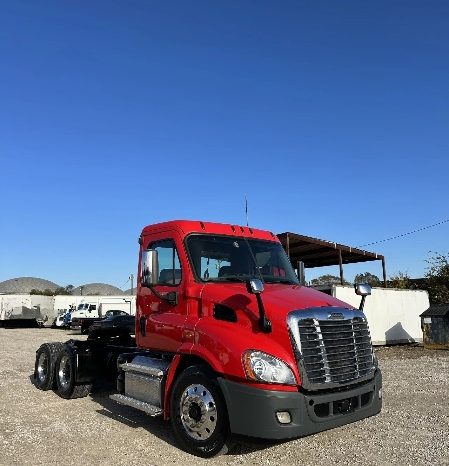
[(131, 277)]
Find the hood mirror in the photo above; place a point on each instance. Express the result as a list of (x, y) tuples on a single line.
[(363, 290), (255, 286)]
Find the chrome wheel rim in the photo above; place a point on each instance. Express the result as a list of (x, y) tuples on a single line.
[(42, 367), (64, 372), (198, 412)]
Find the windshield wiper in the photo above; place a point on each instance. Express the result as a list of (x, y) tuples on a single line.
[(232, 278), (280, 280)]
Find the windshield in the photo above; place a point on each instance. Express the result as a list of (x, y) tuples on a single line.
[(82, 307), (226, 258)]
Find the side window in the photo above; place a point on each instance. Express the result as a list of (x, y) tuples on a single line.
[(168, 261)]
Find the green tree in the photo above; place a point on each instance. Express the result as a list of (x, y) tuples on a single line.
[(400, 280), (46, 292), (438, 278), (367, 277), (328, 280), (61, 291), (69, 288)]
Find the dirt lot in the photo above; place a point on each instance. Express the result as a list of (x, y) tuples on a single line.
[(41, 428)]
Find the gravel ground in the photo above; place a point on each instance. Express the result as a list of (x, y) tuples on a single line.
[(41, 428)]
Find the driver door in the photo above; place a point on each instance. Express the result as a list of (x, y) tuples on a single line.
[(162, 323)]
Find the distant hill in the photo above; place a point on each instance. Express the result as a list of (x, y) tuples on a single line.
[(23, 285), (91, 289)]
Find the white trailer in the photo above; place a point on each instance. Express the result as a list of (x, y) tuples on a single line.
[(127, 305), (393, 314), (27, 308)]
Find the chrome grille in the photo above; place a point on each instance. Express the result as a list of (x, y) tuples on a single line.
[(329, 350)]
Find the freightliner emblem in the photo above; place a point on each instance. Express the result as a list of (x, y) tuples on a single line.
[(335, 316)]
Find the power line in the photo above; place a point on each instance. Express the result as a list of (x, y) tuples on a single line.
[(121, 287), (405, 234)]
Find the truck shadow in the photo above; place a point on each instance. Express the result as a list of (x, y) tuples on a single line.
[(156, 425), (246, 445), (129, 416), (161, 429)]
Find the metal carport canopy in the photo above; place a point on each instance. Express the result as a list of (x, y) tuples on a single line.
[(314, 252)]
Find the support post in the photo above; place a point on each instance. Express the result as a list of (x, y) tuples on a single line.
[(301, 273), (340, 263), (384, 272)]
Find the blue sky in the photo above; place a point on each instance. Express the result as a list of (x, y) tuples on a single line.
[(332, 117)]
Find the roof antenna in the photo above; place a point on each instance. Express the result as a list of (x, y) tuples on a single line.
[(246, 210)]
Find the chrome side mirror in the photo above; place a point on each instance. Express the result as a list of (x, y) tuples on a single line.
[(362, 289), (255, 286), (149, 268)]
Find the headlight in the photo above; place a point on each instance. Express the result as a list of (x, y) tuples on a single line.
[(262, 367)]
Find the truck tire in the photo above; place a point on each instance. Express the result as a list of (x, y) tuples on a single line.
[(65, 376), (198, 413), (44, 367)]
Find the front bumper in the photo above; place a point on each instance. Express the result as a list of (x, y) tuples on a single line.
[(252, 411)]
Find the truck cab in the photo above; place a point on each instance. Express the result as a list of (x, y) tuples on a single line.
[(281, 347), (86, 310), (228, 342)]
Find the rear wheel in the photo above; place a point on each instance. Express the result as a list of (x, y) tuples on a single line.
[(44, 368), (198, 413), (65, 376)]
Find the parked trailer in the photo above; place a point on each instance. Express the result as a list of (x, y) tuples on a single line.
[(226, 341), (25, 309)]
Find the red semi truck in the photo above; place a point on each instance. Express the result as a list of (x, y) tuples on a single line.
[(225, 341)]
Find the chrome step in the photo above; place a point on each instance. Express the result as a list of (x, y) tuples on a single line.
[(140, 405), (141, 369), (146, 365)]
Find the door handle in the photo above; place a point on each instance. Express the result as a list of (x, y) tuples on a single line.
[(142, 323)]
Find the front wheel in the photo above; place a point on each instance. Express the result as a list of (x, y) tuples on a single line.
[(198, 413)]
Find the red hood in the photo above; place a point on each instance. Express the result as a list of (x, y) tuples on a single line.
[(278, 299), (285, 298)]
